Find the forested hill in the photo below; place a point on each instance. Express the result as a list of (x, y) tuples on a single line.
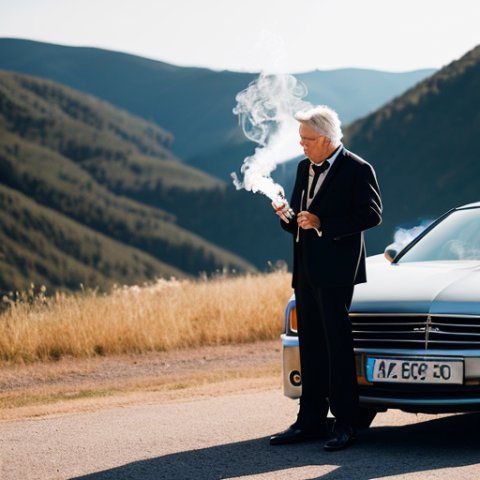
[(71, 169), (425, 145)]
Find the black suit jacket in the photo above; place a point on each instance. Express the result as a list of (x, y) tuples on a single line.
[(347, 203)]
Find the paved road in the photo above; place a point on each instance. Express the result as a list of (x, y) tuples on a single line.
[(227, 437)]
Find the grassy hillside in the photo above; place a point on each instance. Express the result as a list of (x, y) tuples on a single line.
[(78, 156), (44, 247), (425, 146), (113, 145)]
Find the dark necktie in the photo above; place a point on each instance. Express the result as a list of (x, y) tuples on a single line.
[(318, 169)]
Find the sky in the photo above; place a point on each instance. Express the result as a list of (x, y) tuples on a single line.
[(253, 35)]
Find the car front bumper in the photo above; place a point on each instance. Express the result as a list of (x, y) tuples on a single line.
[(411, 397)]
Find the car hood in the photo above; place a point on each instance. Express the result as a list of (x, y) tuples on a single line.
[(446, 287)]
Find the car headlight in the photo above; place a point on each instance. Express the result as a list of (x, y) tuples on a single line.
[(292, 320)]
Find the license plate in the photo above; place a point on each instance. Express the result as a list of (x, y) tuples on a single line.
[(414, 370)]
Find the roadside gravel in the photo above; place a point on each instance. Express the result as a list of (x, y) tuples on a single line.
[(66, 385)]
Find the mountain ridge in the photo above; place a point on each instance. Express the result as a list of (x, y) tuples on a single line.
[(193, 103)]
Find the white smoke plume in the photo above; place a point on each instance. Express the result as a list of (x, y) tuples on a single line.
[(265, 110), (403, 236)]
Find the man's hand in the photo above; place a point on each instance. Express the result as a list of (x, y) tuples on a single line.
[(279, 211), (307, 220)]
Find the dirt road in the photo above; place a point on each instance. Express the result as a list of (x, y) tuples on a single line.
[(226, 437)]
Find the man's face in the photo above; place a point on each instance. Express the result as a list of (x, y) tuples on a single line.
[(315, 146)]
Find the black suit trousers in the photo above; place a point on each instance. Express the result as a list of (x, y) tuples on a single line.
[(326, 353)]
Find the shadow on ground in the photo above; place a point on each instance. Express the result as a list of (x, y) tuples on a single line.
[(380, 451)]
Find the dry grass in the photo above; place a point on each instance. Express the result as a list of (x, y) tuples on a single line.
[(163, 316)]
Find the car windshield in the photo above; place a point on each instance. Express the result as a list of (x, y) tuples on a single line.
[(457, 237)]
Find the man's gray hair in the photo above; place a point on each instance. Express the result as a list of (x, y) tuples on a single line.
[(323, 120)]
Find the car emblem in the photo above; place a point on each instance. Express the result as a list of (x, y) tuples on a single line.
[(428, 328)]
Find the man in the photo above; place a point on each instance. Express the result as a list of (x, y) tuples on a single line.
[(337, 197)]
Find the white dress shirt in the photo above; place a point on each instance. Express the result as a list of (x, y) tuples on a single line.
[(322, 176), (320, 180)]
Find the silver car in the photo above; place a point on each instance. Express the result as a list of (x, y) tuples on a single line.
[(416, 323)]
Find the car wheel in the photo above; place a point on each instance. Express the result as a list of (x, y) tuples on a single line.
[(365, 417)]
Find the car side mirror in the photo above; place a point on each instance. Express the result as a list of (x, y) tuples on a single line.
[(391, 252)]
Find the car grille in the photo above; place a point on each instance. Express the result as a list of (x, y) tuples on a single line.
[(416, 331)]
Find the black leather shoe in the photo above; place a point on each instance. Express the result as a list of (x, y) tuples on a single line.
[(343, 437), (295, 434)]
